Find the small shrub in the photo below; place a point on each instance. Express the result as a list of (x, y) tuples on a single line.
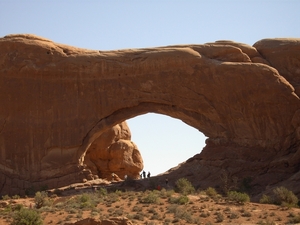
[(246, 214), (184, 186), (267, 222), (172, 208), (238, 197), (16, 197), (151, 197), (181, 200), (112, 197), (211, 192), (155, 217), (227, 209), (27, 217), (138, 216), (265, 199), (136, 209), (166, 193), (6, 197), (86, 201), (219, 217), (294, 219), (17, 207), (229, 182), (59, 205), (182, 213), (283, 196), (102, 192), (40, 199), (233, 215), (119, 192), (72, 211)]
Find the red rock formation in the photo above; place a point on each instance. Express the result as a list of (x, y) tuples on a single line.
[(113, 152), (59, 99)]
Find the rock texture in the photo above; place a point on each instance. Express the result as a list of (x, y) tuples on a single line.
[(113, 152), (57, 100)]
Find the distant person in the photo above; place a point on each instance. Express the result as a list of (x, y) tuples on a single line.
[(167, 181), (144, 174), (148, 175), (113, 175)]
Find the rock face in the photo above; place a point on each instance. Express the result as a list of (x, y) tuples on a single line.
[(113, 152), (58, 100)]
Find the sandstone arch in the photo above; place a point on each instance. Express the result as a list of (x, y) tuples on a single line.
[(58, 99)]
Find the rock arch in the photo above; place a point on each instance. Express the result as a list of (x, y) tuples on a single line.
[(58, 99)]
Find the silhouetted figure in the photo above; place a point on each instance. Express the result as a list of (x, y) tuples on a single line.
[(113, 176), (167, 181), (148, 175), (144, 174)]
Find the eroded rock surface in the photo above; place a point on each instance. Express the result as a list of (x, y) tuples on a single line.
[(114, 152), (58, 100)]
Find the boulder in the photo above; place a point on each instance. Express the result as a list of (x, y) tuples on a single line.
[(113, 152)]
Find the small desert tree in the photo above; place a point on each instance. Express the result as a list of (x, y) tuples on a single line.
[(40, 199)]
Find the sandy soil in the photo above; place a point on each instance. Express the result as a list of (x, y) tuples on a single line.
[(69, 206)]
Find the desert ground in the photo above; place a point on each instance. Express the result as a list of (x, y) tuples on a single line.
[(140, 204)]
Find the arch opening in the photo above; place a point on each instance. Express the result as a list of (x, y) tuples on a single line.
[(164, 141), (151, 141)]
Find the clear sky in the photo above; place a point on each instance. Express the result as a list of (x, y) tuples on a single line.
[(107, 25)]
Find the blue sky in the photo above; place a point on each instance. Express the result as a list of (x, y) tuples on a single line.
[(106, 25)]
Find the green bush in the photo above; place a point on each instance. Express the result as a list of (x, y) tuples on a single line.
[(16, 197), (283, 196), (166, 193), (102, 192), (40, 199), (295, 219), (27, 217), (184, 186), (181, 200), (86, 201), (6, 197), (265, 199), (182, 213), (238, 197), (151, 197), (211, 192)]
